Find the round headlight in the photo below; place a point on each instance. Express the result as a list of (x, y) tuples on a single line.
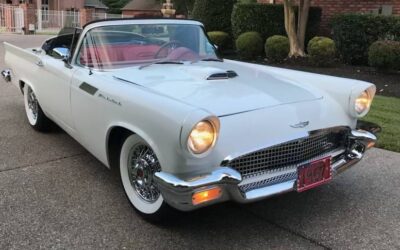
[(202, 137), (363, 102)]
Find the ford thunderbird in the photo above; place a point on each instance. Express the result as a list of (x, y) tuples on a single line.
[(183, 127)]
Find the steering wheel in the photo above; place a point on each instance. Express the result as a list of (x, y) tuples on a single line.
[(171, 45)]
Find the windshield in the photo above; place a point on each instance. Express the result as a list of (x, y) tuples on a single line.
[(118, 46)]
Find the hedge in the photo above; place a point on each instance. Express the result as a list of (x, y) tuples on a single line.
[(321, 51), (277, 48), (249, 45), (214, 14), (219, 38), (354, 34), (268, 20), (385, 55)]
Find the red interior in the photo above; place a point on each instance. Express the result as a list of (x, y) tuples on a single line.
[(108, 54), (118, 53)]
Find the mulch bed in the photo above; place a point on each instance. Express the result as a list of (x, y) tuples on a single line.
[(387, 83)]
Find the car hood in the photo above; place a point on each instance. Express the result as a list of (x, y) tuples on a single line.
[(251, 89)]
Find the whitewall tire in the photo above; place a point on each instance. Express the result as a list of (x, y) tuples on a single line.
[(34, 113), (138, 163)]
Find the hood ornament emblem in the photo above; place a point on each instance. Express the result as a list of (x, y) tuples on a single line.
[(300, 125)]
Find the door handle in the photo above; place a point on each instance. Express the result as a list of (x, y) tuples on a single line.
[(39, 63)]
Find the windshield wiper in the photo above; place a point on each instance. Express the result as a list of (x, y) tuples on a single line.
[(160, 62)]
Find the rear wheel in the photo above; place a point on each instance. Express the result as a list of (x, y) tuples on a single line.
[(138, 164), (36, 118)]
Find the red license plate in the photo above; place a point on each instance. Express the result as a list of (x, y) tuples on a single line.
[(314, 174)]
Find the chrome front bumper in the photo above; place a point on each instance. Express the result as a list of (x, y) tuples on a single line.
[(178, 192)]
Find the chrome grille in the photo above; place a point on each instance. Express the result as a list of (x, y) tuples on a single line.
[(268, 182), (289, 153)]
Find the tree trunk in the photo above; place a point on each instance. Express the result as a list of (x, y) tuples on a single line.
[(304, 7), (290, 26)]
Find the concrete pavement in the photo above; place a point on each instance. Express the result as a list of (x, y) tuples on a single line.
[(54, 194)]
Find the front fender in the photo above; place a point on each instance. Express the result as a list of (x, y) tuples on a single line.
[(138, 131)]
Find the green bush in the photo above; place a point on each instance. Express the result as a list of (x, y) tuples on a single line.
[(249, 45), (268, 20), (277, 48), (219, 38), (385, 55), (214, 14), (321, 51), (247, 1), (354, 33)]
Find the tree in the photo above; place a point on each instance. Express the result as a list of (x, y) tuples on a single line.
[(115, 5), (184, 7), (214, 14), (296, 31)]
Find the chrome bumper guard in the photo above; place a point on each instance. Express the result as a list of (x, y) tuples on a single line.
[(178, 191)]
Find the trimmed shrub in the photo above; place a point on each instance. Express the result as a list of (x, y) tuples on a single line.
[(219, 38), (277, 48), (268, 20), (249, 45), (247, 1), (354, 33), (385, 55), (321, 51), (214, 14)]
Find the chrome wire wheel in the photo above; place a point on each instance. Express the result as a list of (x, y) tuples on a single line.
[(36, 117), (142, 165), (138, 164), (31, 105)]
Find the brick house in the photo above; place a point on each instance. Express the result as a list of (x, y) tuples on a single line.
[(17, 15), (333, 7), (59, 5), (142, 8)]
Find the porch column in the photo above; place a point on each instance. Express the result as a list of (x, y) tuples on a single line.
[(39, 14)]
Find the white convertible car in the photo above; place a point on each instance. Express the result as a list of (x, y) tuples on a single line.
[(184, 127)]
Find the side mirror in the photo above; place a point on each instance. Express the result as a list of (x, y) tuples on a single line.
[(60, 52), (63, 54), (66, 62)]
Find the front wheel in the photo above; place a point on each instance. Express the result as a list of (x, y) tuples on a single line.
[(138, 164), (36, 118)]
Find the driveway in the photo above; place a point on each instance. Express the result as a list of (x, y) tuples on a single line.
[(54, 194)]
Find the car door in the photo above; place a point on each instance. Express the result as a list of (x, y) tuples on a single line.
[(53, 83)]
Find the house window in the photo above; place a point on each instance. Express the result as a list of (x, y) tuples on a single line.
[(45, 10)]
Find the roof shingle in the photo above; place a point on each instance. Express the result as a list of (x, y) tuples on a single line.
[(142, 5), (95, 4)]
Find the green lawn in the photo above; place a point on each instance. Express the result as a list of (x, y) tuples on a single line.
[(385, 112)]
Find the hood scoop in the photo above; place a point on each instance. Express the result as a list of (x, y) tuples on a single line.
[(223, 75)]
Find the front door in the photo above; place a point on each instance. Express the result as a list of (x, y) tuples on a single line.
[(54, 81)]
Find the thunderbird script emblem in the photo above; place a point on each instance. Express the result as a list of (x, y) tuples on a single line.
[(300, 125)]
